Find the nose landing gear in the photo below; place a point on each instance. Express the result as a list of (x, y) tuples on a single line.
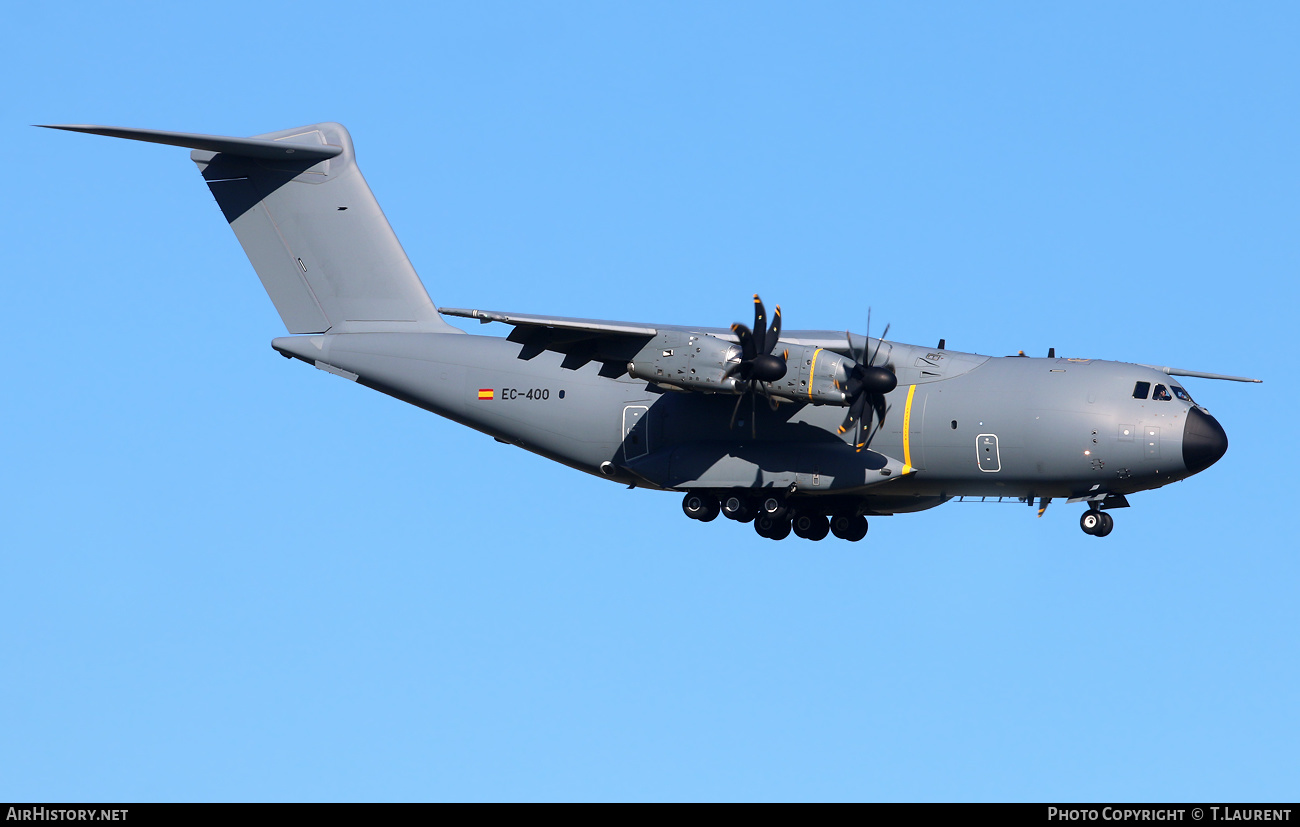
[(1096, 522)]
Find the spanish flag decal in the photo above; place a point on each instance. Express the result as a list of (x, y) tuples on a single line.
[(484, 393)]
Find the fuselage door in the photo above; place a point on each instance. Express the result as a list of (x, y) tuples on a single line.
[(986, 449), (636, 434)]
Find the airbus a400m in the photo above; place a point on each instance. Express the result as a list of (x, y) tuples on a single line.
[(801, 431)]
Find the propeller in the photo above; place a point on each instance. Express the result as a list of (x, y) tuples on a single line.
[(867, 384), (757, 365)]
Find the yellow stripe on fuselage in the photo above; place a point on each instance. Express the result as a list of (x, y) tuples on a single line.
[(907, 432)]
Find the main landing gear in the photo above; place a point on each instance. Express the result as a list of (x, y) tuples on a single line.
[(1096, 522), (772, 518), (700, 507)]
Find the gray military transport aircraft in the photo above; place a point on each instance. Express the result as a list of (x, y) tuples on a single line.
[(847, 426)]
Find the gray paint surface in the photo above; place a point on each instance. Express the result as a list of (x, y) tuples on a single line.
[(651, 405)]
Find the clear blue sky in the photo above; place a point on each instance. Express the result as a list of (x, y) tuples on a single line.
[(226, 576)]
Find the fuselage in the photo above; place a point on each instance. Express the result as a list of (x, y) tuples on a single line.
[(687, 409), (957, 423)]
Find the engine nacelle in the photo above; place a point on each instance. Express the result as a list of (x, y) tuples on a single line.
[(814, 375), (690, 361), (699, 362)]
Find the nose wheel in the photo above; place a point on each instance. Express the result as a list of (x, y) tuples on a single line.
[(1097, 523)]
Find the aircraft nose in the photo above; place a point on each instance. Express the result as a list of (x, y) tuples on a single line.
[(1203, 441)]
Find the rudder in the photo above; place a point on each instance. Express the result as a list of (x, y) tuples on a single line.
[(317, 237)]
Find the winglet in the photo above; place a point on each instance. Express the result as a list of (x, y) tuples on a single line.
[(284, 149)]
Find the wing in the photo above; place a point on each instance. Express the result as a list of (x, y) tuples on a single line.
[(615, 343)]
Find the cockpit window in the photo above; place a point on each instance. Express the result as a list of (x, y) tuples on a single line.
[(1161, 394), (1181, 394), (1141, 389)]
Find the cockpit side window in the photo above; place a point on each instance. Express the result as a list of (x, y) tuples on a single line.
[(1141, 389), (1161, 394), (1181, 394)]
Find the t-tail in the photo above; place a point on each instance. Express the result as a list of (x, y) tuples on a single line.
[(311, 228)]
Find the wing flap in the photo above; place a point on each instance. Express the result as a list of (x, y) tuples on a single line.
[(561, 322)]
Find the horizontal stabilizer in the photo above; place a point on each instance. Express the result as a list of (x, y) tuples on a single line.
[(245, 147)]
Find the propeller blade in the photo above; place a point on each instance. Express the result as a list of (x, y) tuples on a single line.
[(774, 334), (878, 344), (861, 359), (870, 436), (854, 414), (753, 415), (736, 410), (760, 327), (747, 343)]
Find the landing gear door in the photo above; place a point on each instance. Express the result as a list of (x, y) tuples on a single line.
[(636, 431), (986, 449)]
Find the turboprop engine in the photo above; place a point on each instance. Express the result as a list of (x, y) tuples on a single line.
[(699, 362)]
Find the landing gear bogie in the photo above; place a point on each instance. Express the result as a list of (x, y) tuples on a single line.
[(700, 506), (851, 527), (737, 507), (773, 528), (773, 507), (811, 526)]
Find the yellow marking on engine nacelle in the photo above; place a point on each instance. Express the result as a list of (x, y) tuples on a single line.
[(907, 432), (812, 376)]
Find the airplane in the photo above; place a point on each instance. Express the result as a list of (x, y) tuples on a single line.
[(795, 431)]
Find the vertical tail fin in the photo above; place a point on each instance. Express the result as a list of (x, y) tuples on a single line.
[(310, 226)]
